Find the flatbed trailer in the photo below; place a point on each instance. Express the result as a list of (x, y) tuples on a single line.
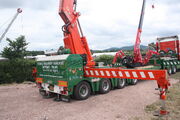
[(66, 76), (67, 71)]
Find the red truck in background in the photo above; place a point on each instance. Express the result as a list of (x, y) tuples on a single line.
[(169, 46)]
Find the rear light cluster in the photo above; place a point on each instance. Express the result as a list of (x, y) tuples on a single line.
[(65, 91), (39, 80), (63, 84)]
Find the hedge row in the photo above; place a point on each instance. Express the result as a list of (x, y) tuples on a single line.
[(107, 59), (18, 70)]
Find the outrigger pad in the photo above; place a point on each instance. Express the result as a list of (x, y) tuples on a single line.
[(57, 99), (62, 98), (65, 98)]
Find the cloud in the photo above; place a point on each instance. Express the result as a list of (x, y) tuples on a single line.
[(34, 4), (10, 3), (105, 23)]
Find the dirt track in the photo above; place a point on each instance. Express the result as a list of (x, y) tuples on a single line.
[(23, 102)]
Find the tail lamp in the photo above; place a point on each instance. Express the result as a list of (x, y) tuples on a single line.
[(63, 83), (39, 80)]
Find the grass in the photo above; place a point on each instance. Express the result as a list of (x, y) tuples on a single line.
[(172, 104), (176, 76)]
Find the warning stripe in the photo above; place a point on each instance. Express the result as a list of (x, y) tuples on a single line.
[(125, 73)]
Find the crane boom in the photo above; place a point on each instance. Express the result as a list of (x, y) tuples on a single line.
[(138, 60), (74, 39), (14, 18), (137, 52)]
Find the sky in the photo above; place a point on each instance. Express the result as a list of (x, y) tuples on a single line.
[(105, 23)]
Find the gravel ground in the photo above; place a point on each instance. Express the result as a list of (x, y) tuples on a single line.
[(23, 102)]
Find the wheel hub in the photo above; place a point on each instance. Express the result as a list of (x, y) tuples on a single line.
[(83, 91)]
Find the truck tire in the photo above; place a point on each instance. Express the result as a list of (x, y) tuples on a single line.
[(162, 53), (82, 91), (174, 69), (121, 83), (134, 81), (105, 86), (169, 70)]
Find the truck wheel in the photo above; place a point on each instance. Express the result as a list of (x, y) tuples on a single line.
[(121, 83), (82, 91), (162, 53), (169, 70), (134, 81), (105, 86), (174, 69)]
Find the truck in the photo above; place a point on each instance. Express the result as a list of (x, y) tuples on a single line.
[(169, 49), (169, 46), (75, 74), (169, 54)]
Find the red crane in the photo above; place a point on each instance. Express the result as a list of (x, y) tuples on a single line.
[(74, 40), (137, 53), (137, 60)]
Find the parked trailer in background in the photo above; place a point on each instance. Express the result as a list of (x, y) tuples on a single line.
[(169, 46), (169, 49)]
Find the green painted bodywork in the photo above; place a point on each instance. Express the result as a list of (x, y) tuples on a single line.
[(164, 64), (69, 69)]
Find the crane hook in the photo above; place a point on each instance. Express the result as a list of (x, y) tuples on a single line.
[(153, 6), (19, 10)]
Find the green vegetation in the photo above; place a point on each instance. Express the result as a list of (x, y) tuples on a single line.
[(107, 59), (16, 49), (176, 76), (16, 68), (34, 53)]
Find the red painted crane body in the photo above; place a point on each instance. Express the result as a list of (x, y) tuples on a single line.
[(73, 36), (137, 52), (138, 59)]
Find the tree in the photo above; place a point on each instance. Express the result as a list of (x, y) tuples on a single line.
[(16, 49), (34, 53), (16, 69)]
